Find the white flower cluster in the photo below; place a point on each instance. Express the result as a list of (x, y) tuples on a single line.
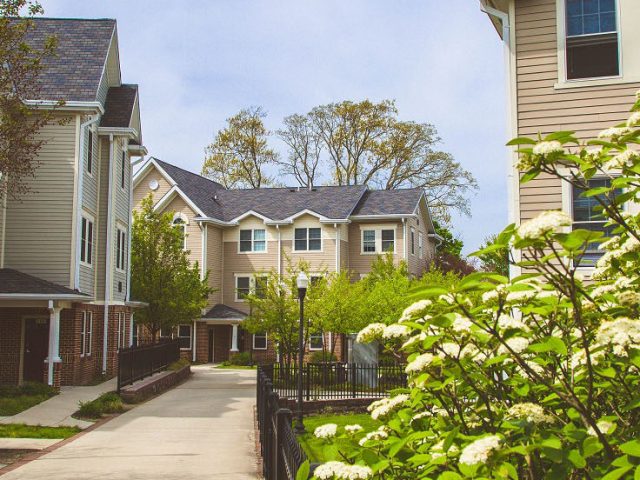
[(517, 344), (461, 324), (342, 471), (449, 349), (629, 298), (548, 148), (326, 431), (379, 434), (545, 223), (480, 450), (371, 332), (634, 119), (614, 132), (394, 331), (414, 309), (434, 412), (416, 338), (493, 296), (529, 412), (603, 425), (352, 429), (382, 408), (509, 322), (420, 363), (437, 450), (621, 334), (621, 160), (521, 296)]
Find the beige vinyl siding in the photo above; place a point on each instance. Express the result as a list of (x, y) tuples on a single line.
[(120, 214), (544, 109), (90, 202), (416, 265), (103, 88), (324, 261), (215, 263), (101, 220), (142, 189), (361, 264), (39, 226), (194, 234)]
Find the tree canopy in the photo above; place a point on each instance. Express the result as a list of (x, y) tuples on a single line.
[(161, 274)]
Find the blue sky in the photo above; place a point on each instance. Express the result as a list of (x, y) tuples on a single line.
[(199, 62)]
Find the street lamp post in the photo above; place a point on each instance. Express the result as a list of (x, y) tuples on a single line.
[(303, 283)]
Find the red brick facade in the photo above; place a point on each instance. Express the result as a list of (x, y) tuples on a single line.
[(75, 368)]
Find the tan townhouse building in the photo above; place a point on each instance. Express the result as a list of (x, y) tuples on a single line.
[(239, 235), (571, 65), (64, 246)]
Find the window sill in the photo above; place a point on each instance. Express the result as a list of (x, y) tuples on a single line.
[(259, 349), (594, 82), (86, 265)]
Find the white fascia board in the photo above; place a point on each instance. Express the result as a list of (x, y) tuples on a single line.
[(42, 296), (330, 221), (391, 216), (215, 221), (169, 196), (118, 131), (139, 175), (306, 211), (253, 213), (138, 150), (67, 106)]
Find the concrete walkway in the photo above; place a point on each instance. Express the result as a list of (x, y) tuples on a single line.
[(202, 429), (57, 411)]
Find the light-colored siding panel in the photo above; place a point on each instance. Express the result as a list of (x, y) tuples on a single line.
[(215, 263), (120, 212), (360, 264), (103, 205), (142, 188)]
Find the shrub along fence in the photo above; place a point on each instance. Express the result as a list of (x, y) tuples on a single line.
[(136, 363)]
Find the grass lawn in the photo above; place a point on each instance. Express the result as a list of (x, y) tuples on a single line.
[(318, 450), (20, 430), (15, 399)]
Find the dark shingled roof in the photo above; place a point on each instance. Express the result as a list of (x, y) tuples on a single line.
[(119, 106), (15, 282), (223, 312), (73, 73), (337, 202), (389, 202)]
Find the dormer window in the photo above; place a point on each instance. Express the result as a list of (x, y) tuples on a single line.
[(592, 39)]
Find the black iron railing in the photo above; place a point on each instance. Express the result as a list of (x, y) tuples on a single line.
[(330, 381), (282, 455), (136, 363)]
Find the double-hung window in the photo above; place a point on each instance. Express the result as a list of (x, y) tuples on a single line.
[(368, 241), (388, 240), (86, 333), (259, 341), (86, 241), (588, 215), (260, 286), (243, 287), (253, 240), (420, 245), (316, 341), (308, 239), (184, 336), (121, 238), (413, 241), (592, 39)]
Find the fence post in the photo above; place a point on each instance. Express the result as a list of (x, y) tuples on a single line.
[(353, 380)]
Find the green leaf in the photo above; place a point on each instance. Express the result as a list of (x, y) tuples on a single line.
[(616, 474), (566, 135), (577, 459), (449, 440), (590, 447), (527, 177), (449, 476), (550, 344), (636, 476), (521, 141), (631, 448), (303, 471), (552, 442), (397, 446)]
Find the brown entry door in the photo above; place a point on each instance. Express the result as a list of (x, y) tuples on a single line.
[(36, 346), (221, 343)]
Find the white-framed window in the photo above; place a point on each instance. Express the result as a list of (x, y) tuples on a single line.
[(121, 238), (121, 334), (86, 240), (166, 332), (180, 223), (587, 215), (259, 341), (90, 152), (123, 170), (86, 333), (591, 43), (184, 336), (251, 284), (412, 239), (243, 287), (420, 245), (260, 285), (307, 240), (378, 240), (253, 240), (388, 240), (368, 241), (316, 341)]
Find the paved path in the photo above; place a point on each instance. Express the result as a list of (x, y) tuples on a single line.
[(57, 410), (202, 429)]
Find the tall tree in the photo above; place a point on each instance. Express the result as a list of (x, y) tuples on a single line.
[(303, 158), (161, 274), (494, 259), (239, 153), (21, 63)]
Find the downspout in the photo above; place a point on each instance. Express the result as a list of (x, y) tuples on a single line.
[(279, 251), (406, 242), (131, 322), (335, 225), (107, 275), (81, 155)]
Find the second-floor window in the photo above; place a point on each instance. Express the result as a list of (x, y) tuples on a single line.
[(243, 287), (90, 152), (86, 241), (592, 39), (307, 239), (378, 241), (253, 240), (587, 214), (123, 170), (121, 238), (247, 284)]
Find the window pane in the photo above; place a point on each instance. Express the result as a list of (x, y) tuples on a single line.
[(591, 24), (369, 235), (369, 241), (83, 240), (242, 286), (301, 233), (387, 240), (574, 7), (314, 233), (608, 22), (259, 235), (89, 241), (261, 286), (245, 246), (592, 56), (590, 6), (607, 6), (315, 244), (316, 341), (301, 244), (184, 330), (574, 26), (259, 246), (260, 341)]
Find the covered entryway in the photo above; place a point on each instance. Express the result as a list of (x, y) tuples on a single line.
[(219, 343), (36, 348), (223, 334)]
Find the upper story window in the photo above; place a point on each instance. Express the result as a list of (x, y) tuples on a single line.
[(413, 241), (592, 39), (308, 239), (86, 241), (179, 222), (587, 214), (368, 241), (90, 153), (420, 245), (253, 240), (378, 241), (243, 288), (123, 169), (121, 238), (247, 284)]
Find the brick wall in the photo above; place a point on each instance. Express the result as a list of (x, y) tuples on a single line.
[(11, 341)]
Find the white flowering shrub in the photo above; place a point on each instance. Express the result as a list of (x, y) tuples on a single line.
[(532, 377)]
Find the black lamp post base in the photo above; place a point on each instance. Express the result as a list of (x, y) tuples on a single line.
[(299, 427)]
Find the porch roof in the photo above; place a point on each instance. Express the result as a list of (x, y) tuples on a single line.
[(16, 285), (224, 312)]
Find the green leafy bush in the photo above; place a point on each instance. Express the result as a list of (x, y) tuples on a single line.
[(240, 358), (322, 357), (534, 377), (105, 404)]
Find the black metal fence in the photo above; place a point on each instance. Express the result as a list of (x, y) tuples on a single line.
[(282, 455), (136, 363), (328, 381)]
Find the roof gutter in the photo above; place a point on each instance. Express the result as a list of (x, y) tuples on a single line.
[(66, 106), (46, 297), (380, 217), (215, 221), (131, 133)]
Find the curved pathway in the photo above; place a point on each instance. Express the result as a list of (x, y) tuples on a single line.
[(202, 429)]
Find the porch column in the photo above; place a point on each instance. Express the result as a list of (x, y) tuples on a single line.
[(131, 329), (234, 338), (193, 339), (54, 340)]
